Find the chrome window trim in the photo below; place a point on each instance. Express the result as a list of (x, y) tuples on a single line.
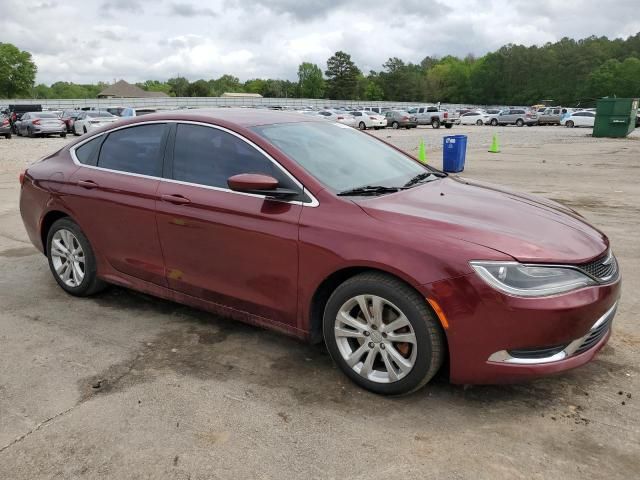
[(503, 356), (313, 203)]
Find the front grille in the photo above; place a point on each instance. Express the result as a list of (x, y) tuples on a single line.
[(540, 352), (603, 269), (595, 335)]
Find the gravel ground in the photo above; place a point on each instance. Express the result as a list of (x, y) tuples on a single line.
[(126, 386)]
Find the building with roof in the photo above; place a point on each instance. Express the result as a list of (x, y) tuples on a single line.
[(122, 89)]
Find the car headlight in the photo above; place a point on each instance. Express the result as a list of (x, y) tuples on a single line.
[(521, 280)]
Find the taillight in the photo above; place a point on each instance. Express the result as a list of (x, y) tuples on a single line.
[(5, 122), (446, 115), (21, 176), (405, 118), (372, 118), (36, 121), (340, 118)]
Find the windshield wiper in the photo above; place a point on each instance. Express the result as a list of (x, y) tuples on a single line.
[(421, 177), (370, 190)]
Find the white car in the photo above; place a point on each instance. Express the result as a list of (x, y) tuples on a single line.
[(338, 116), (366, 120), (91, 120), (475, 118), (584, 118)]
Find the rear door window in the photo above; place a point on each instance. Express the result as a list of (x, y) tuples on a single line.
[(209, 156), (135, 150)]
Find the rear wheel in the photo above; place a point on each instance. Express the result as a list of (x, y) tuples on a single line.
[(520, 122), (570, 124), (7, 136), (84, 129), (494, 122), (63, 134), (395, 125), (479, 123), (435, 123), (448, 125), (362, 126), (382, 334), (71, 259)]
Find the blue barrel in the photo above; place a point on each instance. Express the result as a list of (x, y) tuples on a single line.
[(454, 151)]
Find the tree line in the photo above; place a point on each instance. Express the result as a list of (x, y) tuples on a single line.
[(569, 72)]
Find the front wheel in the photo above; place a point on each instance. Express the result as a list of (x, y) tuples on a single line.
[(362, 126), (479, 123), (395, 125), (71, 259), (520, 122), (435, 123), (570, 124), (382, 334), (494, 122)]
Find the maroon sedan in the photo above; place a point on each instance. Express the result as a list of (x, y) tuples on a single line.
[(325, 233)]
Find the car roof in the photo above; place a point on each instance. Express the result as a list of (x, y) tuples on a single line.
[(245, 117)]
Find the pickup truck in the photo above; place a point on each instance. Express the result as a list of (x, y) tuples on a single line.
[(434, 116)]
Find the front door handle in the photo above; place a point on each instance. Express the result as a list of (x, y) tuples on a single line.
[(177, 199), (87, 184)]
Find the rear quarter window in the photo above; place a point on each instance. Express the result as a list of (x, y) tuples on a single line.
[(85, 153)]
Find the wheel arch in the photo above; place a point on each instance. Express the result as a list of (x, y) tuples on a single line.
[(45, 225), (324, 290)]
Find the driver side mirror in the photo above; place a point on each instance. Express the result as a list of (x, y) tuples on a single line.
[(259, 184)]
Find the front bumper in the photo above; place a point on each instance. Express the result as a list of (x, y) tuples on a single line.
[(495, 338)]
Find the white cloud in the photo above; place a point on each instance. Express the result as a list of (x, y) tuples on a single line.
[(87, 41)]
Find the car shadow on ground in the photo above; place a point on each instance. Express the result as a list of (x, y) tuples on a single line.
[(211, 348)]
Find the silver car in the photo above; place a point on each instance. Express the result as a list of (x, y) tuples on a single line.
[(40, 124)]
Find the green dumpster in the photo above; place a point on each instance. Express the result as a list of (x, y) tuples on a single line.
[(615, 117)]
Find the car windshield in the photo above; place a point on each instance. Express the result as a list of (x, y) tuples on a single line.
[(340, 157)]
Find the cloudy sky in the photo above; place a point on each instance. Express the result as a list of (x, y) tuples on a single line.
[(91, 40)]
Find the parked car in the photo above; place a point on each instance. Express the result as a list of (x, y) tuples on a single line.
[(69, 117), (474, 118), (323, 233), (434, 116), (91, 120), (364, 120), (580, 119), (493, 114), (379, 110), (400, 119), (517, 116), (337, 116), (5, 127), (551, 116), (34, 124)]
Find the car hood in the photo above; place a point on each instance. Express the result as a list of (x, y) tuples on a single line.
[(526, 227)]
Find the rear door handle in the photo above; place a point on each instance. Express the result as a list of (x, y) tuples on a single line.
[(87, 184), (177, 199)]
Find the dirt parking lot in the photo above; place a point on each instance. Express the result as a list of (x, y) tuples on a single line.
[(123, 385)]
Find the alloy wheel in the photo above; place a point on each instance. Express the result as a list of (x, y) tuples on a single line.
[(67, 257), (375, 338)]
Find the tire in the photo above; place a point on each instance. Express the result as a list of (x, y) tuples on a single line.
[(361, 126), (63, 135), (395, 125), (408, 127), (29, 133), (570, 124), (7, 136), (84, 129), (520, 122), (435, 123), (448, 125), (479, 123), (423, 355), (494, 122), (74, 285)]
